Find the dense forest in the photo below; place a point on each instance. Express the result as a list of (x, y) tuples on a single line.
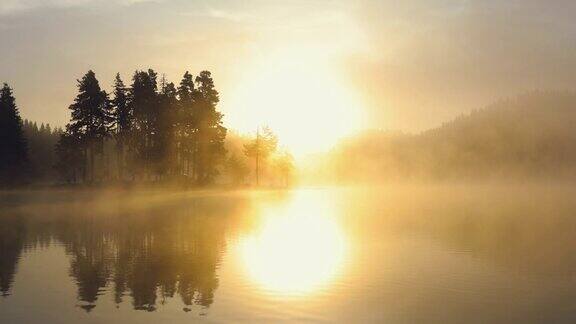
[(531, 136), (150, 131), (42, 156)]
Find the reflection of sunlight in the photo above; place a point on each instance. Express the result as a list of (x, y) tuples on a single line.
[(296, 249)]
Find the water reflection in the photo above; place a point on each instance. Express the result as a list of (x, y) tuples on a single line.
[(151, 254), (11, 246), (394, 254), (296, 248)]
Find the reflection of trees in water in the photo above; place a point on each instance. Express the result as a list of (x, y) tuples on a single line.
[(152, 257), (91, 258), (12, 232), (151, 254)]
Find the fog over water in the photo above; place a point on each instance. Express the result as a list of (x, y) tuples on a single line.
[(402, 253), (327, 161)]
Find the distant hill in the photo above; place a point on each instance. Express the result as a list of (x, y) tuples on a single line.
[(532, 135)]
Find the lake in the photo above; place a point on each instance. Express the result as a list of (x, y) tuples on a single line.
[(389, 254)]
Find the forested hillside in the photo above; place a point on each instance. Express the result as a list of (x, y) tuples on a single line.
[(532, 135)]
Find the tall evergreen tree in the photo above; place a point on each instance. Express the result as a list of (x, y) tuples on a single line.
[(165, 148), (13, 145), (90, 121), (187, 125), (145, 109), (122, 122), (211, 132)]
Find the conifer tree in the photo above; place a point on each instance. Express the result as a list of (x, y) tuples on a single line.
[(90, 122), (13, 145), (145, 109), (211, 132), (122, 122), (165, 148), (187, 125), (160, 129)]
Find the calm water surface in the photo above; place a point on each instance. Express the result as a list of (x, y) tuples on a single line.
[(398, 254)]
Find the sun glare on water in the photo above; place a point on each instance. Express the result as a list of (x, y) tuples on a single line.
[(301, 97), (295, 250)]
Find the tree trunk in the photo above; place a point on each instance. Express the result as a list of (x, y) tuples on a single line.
[(120, 161), (92, 163), (85, 165)]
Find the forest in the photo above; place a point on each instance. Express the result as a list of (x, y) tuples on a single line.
[(151, 131), (526, 137)]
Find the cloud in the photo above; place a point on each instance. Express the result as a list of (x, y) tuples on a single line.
[(17, 6), (227, 15)]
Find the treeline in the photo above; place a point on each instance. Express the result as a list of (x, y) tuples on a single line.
[(42, 156), (149, 131), (26, 149), (529, 136)]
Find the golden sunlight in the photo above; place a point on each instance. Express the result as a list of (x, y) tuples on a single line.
[(296, 250), (296, 93)]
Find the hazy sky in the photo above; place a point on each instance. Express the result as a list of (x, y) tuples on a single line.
[(407, 64)]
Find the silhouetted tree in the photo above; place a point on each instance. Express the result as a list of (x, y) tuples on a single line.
[(165, 148), (160, 131), (186, 126), (90, 122), (13, 146), (122, 122), (211, 132), (144, 106)]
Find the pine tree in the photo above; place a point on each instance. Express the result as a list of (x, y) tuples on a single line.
[(145, 108), (162, 130), (90, 121), (165, 149), (13, 145), (211, 132), (187, 125), (122, 122)]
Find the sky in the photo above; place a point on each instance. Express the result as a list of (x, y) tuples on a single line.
[(323, 67)]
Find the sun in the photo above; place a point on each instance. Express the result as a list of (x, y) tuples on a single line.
[(301, 96)]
